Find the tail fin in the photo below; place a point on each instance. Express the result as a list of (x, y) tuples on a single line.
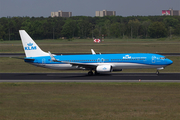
[(31, 49)]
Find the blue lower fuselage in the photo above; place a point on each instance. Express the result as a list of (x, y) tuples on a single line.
[(117, 61)]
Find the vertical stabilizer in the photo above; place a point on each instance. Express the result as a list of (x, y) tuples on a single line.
[(31, 49)]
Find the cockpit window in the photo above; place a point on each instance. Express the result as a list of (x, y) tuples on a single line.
[(162, 58)]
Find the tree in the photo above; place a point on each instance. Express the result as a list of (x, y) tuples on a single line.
[(116, 26), (69, 29), (96, 32), (157, 30), (134, 27), (26, 25), (170, 22), (145, 27), (2, 33), (107, 25), (115, 30), (177, 29), (122, 28), (85, 28)]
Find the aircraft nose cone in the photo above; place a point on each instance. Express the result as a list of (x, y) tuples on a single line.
[(169, 62)]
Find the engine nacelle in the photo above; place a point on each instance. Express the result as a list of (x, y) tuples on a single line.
[(104, 68)]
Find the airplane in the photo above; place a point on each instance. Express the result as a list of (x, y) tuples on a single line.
[(95, 63)]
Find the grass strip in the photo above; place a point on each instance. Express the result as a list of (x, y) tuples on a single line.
[(108, 46), (135, 101)]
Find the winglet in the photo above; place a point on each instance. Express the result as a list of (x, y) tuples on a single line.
[(52, 57), (93, 52)]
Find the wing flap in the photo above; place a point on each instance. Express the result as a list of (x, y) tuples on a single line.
[(84, 65)]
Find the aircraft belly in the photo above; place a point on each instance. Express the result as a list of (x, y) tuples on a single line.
[(56, 66), (116, 66), (133, 66)]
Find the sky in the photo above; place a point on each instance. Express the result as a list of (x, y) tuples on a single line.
[(38, 8)]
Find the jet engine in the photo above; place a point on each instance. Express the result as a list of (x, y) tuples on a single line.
[(104, 68)]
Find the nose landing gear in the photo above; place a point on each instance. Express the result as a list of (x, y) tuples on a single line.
[(161, 68)]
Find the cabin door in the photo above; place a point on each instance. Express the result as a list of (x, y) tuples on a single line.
[(43, 61), (153, 59)]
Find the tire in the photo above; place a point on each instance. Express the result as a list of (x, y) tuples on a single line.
[(157, 73), (90, 73)]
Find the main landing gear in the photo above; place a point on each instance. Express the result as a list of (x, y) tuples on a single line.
[(90, 73), (157, 72)]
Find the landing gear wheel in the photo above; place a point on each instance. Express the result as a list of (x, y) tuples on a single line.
[(157, 72), (90, 73), (96, 73)]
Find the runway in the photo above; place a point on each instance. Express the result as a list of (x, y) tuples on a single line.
[(83, 77)]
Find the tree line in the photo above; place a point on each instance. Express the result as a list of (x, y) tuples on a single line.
[(89, 27)]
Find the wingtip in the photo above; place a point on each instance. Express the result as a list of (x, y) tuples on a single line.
[(93, 52)]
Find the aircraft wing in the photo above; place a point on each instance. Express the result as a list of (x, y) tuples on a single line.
[(84, 66), (75, 64)]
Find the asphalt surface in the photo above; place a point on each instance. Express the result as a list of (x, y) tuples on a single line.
[(83, 77), (23, 55)]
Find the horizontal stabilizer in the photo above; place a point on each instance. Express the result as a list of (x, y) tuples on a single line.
[(28, 60)]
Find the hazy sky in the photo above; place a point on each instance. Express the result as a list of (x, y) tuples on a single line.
[(44, 8)]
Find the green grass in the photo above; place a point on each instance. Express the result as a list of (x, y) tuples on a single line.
[(108, 46), (14, 65), (94, 101)]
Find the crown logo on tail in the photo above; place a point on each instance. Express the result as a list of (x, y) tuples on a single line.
[(30, 44)]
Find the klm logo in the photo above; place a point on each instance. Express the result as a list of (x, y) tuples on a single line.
[(104, 68), (127, 57), (30, 47)]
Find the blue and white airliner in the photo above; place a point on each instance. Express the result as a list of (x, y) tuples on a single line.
[(95, 63)]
